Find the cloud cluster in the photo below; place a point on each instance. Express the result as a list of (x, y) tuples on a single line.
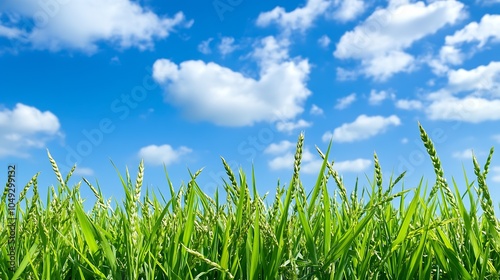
[(380, 41), (213, 93)]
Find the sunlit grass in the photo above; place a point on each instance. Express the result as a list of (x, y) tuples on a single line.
[(327, 233)]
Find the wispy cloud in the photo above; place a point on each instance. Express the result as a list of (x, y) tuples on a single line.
[(345, 101), (204, 46)]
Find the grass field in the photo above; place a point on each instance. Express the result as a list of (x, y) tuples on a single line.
[(325, 234)]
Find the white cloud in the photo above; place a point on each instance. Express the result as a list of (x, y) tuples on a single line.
[(315, 110), (384, 66), (210, 92), (279, 148), (404, 140), (364, 127), (227, 46), (324, 41), (164, 154), (84, 24), (357, 165), (406, 104), (482, 32), (25, 127), (270, 51), (348, 9), (377, 97), (469, 109), (451, 55), (496, 137), (204, 46), (345, 101), (300, 19), (379, 42), (289, 127), (481, 78), (482, 86), (448, 55), (464, 154)]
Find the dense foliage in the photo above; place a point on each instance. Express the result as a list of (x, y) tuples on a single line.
[(325, 234)]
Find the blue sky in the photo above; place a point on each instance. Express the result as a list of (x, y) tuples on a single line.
[(182, 84)]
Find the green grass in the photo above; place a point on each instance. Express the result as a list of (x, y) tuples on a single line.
[(327, 233)]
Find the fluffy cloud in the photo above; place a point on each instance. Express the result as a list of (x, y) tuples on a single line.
[(483, 32), (481, 78), (448, 55), (210, 92), (385, 34), (344, 102), (481, 84), (480, 34), (25, 127), (468, 109), (364, 127), (83, 24), (164, 154)]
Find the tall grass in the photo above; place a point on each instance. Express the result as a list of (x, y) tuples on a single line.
[(326, 233)]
